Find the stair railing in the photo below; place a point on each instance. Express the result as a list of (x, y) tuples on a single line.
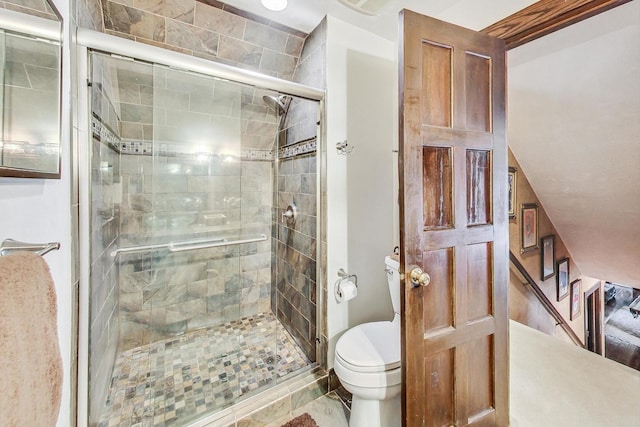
[(546, 303)]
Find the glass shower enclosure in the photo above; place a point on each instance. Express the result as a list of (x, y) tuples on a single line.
[(203, 241)]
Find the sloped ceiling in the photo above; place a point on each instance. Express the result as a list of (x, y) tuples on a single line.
[(574, 126), (573, 117)]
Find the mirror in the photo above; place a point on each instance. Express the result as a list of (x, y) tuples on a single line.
[(30, 87)]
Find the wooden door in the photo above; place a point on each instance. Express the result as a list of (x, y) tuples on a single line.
[(453, 219), (592, 329)]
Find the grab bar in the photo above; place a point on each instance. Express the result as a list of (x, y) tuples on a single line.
[(10, 246), (148, 247), (184, 246), (191, 244)]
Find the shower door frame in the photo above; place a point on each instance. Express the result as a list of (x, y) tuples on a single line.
[(89, 40)]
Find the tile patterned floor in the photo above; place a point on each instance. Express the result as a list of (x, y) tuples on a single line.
[(176, 380)]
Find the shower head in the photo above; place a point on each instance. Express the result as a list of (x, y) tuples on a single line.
[(279, 104)]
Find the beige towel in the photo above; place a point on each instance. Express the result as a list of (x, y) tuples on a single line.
[(30, 362)]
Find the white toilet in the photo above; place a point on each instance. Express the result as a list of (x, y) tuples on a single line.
[(367, 362)]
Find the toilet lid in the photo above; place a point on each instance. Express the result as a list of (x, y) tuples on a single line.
[(370, 347)]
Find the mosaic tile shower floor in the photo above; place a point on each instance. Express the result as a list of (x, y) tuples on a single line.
[(176, 380)]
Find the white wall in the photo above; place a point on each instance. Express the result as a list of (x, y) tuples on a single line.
[(39, 210), (576, 93), (362, 109), (370, 203)]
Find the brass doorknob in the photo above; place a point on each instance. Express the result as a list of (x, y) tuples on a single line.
[(419, 277)]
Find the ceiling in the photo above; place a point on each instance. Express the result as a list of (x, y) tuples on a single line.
[(305, 15), (573, 117), (574, 126)]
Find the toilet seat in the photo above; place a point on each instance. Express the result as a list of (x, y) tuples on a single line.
[(370, 347)]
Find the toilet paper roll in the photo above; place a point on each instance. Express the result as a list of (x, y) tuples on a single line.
[(346, 291)]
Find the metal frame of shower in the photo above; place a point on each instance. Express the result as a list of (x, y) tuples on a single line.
[(88, 40)]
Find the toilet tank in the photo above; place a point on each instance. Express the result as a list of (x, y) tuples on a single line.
[(393, 278)]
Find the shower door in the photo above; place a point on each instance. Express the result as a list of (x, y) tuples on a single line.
[(184, 315)]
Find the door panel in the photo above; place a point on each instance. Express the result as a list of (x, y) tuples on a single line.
[(478, 187), (482, 399), (437, 87), (440, 382), (478, 101), (439, 264), (437, 178), (479, 281), (453, 175)]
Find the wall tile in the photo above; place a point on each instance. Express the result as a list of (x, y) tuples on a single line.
[(260, 34), (165, 98), (133, 21), (181, 10), (191, 37), (240, 52), (279, 63), (255, 262), (217, 20), (129, 92), (89, 14), (185, 311), (255, 127), (136, 113), (294, 45)]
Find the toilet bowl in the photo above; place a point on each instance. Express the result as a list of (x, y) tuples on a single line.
[(367, 362)]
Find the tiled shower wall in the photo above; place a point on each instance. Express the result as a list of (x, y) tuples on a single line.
[(208, 29), (35, 8), (295, 296), (89, 14), (164, 293), (171, 195), (105, 218), (215, 31)]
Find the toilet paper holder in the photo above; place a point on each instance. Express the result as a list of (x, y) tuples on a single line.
[(343, 276)]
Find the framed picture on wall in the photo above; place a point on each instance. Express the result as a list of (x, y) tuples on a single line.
[(562, 279), (548, 257), (576, 291), (512, 192), (529, 227)]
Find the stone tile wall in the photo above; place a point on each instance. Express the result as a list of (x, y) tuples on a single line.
[(103, 280), (164, 293), (172, 192), (211, 30), (30, 7), (295, 296), (89, 14), (215, 31), (294, 272), (300, 124)]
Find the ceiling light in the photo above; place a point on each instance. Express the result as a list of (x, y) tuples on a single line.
[(275, 5)]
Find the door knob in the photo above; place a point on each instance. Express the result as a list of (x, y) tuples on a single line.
[(419, 277)]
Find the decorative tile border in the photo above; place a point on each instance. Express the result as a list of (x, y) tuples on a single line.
[(303, 147), (144, 148), (103, 133), (257, 155), (147, 148)]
